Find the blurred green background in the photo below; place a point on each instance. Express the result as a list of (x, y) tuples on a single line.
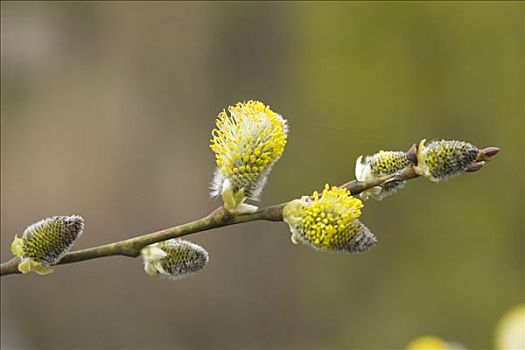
[(107, 110)]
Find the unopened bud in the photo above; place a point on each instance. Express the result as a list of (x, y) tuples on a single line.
[(441, 160), (45, 242), (173, 259), (378, 165)]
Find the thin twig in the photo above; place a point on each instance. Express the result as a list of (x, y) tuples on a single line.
[(218, 218)]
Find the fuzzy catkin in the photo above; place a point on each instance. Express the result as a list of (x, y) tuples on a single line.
[(174, 259), (246, 143), (380, 164), (441, 160), (329, 221), (47, 240)]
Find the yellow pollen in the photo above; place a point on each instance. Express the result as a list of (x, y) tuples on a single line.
[(328, 219), (247, 141)]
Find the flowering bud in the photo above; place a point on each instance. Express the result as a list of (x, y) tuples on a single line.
[(441, 160), (433, 343), (381, 164), (510, 331), (173, 259), (329, 221), (45, 242), (246, 144)]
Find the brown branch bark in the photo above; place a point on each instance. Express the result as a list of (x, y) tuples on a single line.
[(218, 218)]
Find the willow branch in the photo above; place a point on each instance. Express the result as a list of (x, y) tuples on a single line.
[(218, 218)]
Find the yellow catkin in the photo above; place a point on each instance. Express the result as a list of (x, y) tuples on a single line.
[(247, 142), (329, 221)]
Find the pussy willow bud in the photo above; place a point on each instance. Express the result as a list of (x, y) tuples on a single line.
[(329, 221), (45, 242), (432, 343), (173, 259), (381, 164), (510, 331), (247, 143), (441, 160)]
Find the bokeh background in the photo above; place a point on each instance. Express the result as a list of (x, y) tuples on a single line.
[(107, 110)]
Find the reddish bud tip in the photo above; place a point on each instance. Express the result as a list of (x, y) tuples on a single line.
[(491, 151), (475, 166), (412, 154), (487, 153)]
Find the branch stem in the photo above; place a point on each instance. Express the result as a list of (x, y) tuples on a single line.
[(218, 218)]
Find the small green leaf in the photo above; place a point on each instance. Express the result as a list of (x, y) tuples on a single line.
[(16, 246)]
